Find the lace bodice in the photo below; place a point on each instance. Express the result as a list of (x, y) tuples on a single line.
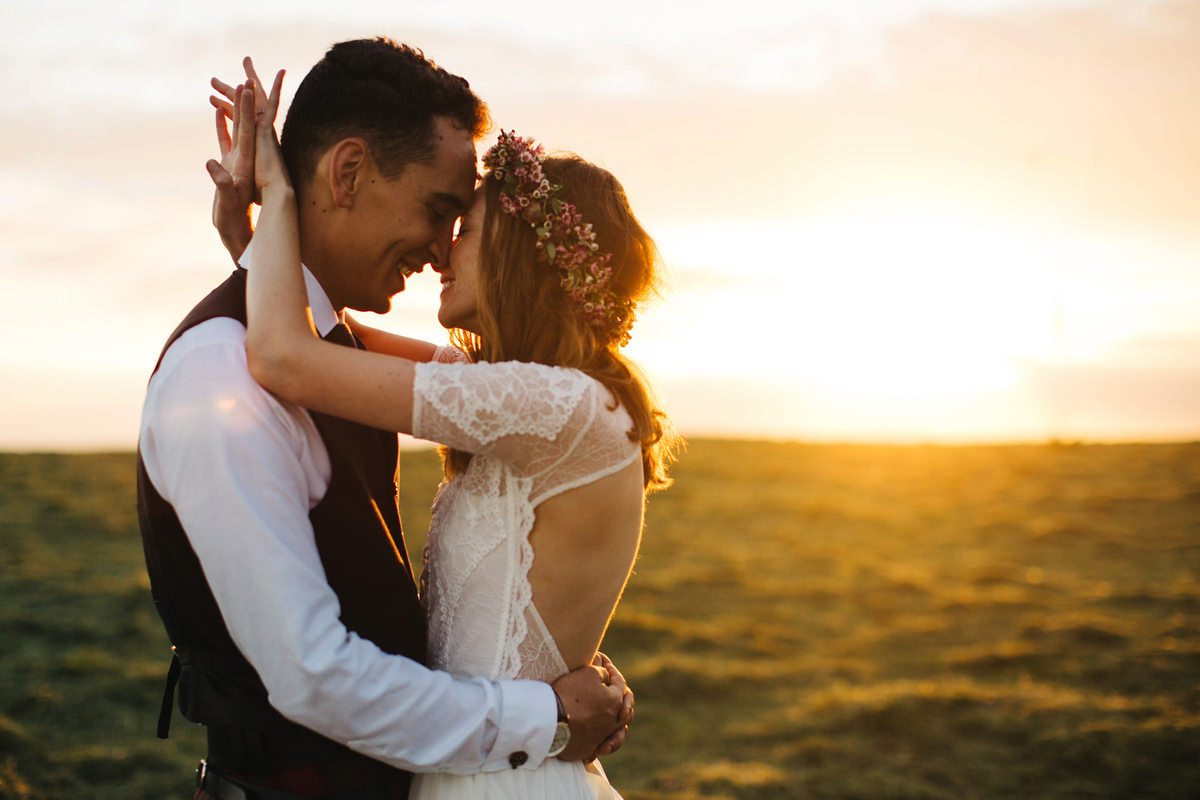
[(535, 431)]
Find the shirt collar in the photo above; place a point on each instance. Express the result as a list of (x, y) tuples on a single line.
[(323, 314)]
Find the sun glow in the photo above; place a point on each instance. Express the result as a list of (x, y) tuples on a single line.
[(919, 326), (966, 240)]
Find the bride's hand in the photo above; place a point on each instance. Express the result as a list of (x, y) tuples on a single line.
[(233, 175), (269, 170)]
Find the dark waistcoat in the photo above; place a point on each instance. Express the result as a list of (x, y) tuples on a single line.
[(358, 536)]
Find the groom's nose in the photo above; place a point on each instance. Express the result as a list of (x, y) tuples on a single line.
[(439, 249)]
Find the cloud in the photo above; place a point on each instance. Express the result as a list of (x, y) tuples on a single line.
[(1125, 401), (1161, 352), (1066, 116), (1083, 116)]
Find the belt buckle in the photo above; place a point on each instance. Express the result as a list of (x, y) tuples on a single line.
[(221, 787)]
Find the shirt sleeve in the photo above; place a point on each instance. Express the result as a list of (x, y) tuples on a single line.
[(242, 471)]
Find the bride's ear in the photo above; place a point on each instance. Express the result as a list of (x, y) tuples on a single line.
[(348, 160)]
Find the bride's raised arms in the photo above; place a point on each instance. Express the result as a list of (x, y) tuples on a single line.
[(236, 191), (283, 351), (234, 173)]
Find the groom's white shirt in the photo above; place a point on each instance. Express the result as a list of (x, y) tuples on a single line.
[(242, 471)]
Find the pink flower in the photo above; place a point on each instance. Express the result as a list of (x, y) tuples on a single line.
[(563, 239)]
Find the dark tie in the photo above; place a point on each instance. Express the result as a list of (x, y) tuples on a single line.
[(386, 440), (341, 334)]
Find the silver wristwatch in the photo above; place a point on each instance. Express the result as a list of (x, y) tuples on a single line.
[(562, 731)]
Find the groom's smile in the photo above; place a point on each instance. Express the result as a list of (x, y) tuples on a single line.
[(405, 269), (395, 227)]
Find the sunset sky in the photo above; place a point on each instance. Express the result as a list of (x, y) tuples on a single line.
[(903, 220)]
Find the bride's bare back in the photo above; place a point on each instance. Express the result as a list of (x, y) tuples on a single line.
[(584, 544), (530, 547)]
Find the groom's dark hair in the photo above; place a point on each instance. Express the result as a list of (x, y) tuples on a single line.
[(386, 92)]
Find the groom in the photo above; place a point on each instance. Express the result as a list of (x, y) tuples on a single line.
[(271, 533)]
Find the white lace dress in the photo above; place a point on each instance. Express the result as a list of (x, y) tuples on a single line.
[(535, 431)]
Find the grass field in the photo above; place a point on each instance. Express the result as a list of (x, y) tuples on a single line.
[(805, 621)]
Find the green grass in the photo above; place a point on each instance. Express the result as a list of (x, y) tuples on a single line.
[(804, 621)]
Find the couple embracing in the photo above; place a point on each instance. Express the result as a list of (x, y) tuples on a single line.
[(267, 452)]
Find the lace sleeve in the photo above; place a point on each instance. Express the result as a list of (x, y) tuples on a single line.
[(531, 416)]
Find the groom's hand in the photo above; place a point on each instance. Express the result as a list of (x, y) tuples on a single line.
[(614, 742), (599, 705)]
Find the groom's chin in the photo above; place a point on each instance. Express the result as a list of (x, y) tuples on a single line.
[(376, 305)]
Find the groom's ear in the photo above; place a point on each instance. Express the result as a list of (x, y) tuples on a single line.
[(348, 160)]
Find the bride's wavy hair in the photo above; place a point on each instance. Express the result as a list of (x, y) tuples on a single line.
[(526, 315)]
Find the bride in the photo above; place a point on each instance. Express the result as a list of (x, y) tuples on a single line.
[(551, 438)]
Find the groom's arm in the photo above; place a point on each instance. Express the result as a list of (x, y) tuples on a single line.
[(241, 471)]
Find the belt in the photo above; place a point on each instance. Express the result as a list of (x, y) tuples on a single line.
[(223, 787), (345, 781)]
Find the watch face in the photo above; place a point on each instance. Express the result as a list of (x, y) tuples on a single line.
[(562, 737)]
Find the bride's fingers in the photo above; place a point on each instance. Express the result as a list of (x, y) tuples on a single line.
[(260, 97), (266, 115), (235, 116), (219, 176), (223, 141), (272, 105), (222, 105), (245, 105), (223, 88), (245, 131), (237, 102)]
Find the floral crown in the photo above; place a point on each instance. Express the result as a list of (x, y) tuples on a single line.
[(563, 239)]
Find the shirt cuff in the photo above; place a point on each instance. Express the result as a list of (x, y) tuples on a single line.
[(530, 715)]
